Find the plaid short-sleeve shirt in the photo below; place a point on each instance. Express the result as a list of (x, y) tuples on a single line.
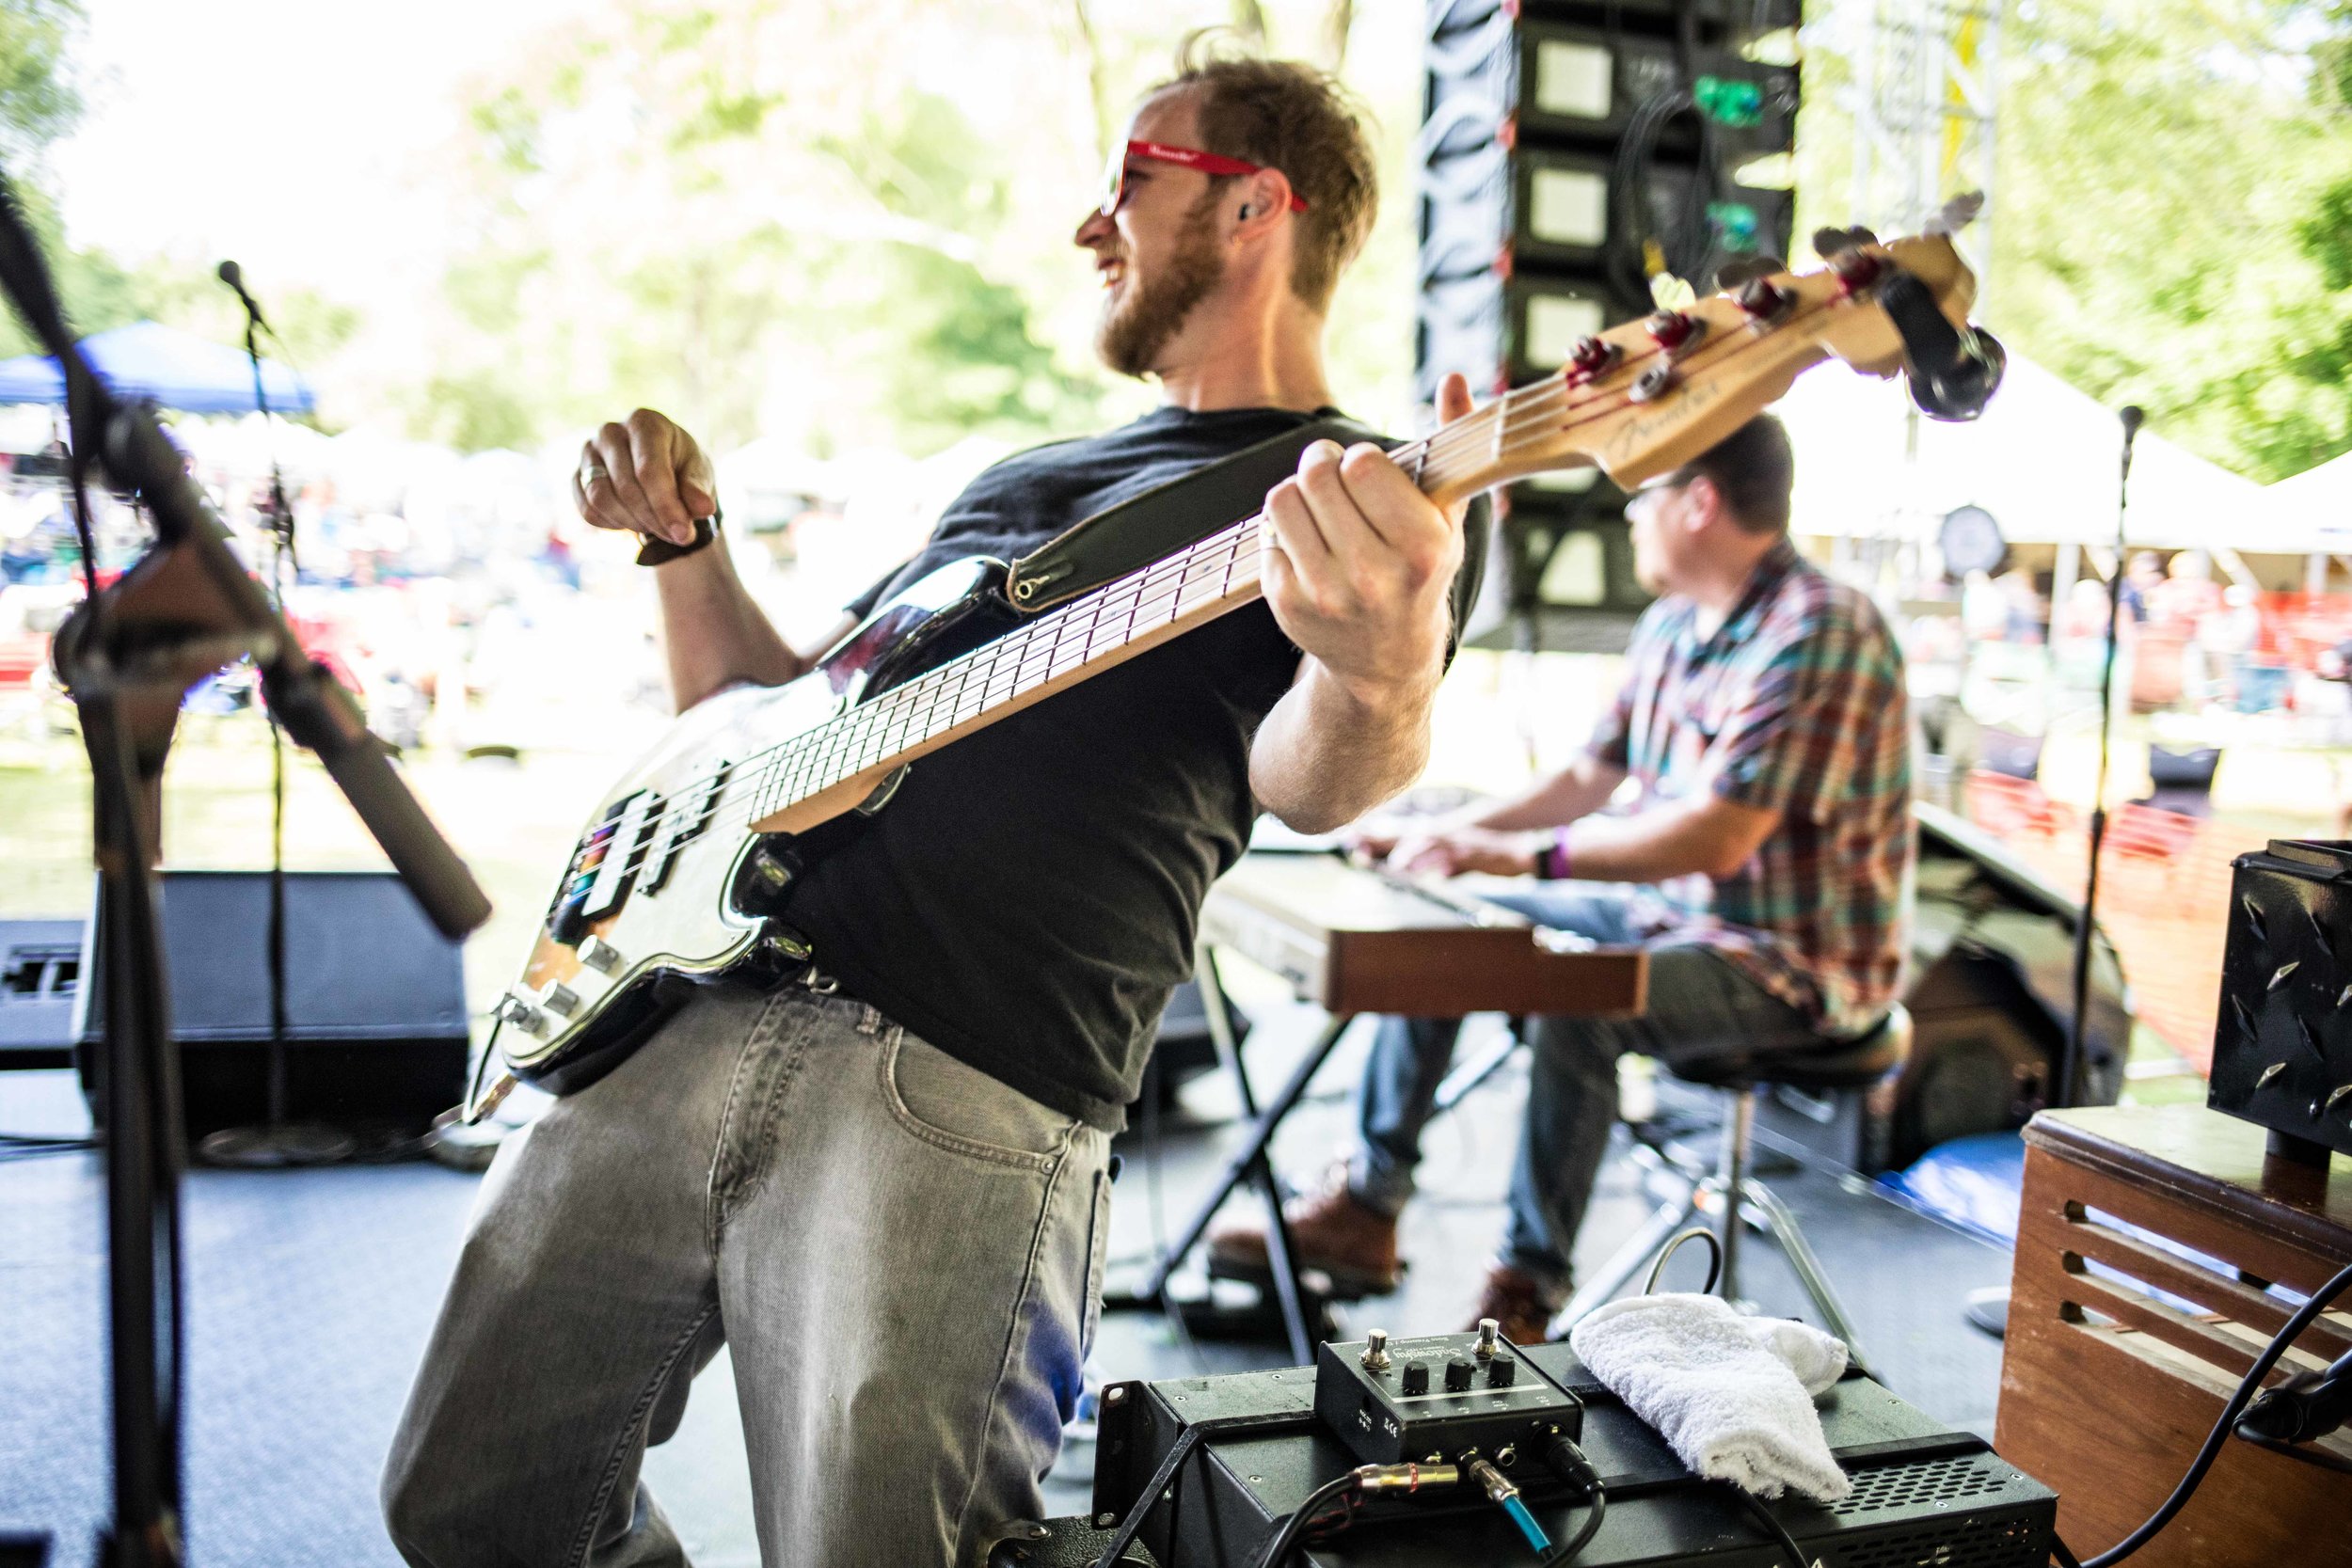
[(1796, 704)]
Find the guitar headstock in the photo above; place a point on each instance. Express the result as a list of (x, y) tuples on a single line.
[(1647, 396)]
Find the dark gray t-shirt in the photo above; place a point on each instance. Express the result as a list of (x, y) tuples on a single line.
[(1030, 895)]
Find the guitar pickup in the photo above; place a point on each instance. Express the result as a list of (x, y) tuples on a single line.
[(690, 812), (622, 854)]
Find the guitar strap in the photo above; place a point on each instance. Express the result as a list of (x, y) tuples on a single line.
[(1129, 536)]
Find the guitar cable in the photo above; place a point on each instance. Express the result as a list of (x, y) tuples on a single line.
[(2231, 1410)]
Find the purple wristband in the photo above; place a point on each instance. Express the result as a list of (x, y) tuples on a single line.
[(1555, 857)]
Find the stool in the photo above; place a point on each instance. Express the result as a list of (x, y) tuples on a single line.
[(1852, 1063)]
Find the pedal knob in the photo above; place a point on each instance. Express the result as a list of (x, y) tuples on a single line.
[(1500, 1372), (1376, 1350), (1414, 1378), (1460, 1372), (1594, 356)]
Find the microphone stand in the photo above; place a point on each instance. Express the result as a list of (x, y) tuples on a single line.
[(1988, 1309), (277, 1141), (2070, 1058), (128, 653)]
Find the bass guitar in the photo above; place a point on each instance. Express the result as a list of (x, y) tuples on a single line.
[(677, 875)]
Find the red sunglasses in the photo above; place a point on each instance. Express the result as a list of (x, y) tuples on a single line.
[(1115, 177)]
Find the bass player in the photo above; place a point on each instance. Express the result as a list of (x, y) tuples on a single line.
[(888, 1195)]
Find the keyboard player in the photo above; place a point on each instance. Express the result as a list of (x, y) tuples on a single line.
[(1764, 731)]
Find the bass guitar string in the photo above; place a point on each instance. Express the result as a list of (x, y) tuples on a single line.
[(1027, 673), (1472, 434), (1516, 409)]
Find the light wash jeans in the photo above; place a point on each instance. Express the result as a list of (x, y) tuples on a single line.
[(904, 1255), (1698, 1003)]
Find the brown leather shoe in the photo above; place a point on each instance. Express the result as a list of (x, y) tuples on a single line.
[(1521, 1307), (1332, 1231)]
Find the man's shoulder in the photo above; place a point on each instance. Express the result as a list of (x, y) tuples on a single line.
[(1811, 603)]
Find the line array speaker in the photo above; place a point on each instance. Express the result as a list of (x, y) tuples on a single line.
[(1572, 152)]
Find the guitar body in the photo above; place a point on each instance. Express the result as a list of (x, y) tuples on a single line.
[(669, 886)]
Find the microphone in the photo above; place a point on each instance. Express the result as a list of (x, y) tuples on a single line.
[(2132, 417), (233, 276)]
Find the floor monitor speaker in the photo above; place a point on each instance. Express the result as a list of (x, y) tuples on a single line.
[(375, 1001)]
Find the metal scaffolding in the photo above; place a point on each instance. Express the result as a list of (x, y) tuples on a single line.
[(1927, 81)]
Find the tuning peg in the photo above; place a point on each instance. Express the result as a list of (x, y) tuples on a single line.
[(1955, 214), (1745, 270), (1764, 301), (1829, 243)]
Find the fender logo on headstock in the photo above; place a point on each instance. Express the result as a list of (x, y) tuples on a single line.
[(1639, 434)]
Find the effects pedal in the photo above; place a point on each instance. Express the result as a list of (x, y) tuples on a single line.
[(1436, 1399)]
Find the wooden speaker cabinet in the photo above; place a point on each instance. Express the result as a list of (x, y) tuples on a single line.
[(2147, 1243)]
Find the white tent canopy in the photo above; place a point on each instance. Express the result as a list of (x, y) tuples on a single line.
[(2317, 504), (2043, 460)]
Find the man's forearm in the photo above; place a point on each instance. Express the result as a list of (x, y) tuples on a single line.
[(1329, 752), (1577, 790), (1711, 838), (713, 633)]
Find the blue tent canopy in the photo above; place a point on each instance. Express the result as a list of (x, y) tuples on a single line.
[(172, 367)]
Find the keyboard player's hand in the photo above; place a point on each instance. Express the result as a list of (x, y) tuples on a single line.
[(1451, 851)]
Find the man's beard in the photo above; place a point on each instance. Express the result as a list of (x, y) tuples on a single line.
[(1135, 329)]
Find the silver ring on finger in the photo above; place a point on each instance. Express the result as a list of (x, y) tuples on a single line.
[(590, 471)]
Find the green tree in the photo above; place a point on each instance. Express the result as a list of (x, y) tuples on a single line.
[(39, 101), (770, 212), (2171, 221)]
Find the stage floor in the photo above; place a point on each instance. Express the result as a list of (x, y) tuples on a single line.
[(310, 1293)]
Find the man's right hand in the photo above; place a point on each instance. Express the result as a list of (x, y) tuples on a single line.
[(644, 475)]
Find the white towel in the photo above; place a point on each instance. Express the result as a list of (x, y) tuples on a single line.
[(1733, 1396)]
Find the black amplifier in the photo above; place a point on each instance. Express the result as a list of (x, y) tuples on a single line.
[(1923, 1494), (375, 1001), (2282, 1045)]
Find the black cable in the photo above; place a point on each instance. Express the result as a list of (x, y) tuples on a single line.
[(1170, 1309), (1714, 1258), (1570, 1463), (1598, 1511), (1162, 1480), (1287, 1537), (1771, 1521), (2304, 1316), (12, 1149), (78, 468)]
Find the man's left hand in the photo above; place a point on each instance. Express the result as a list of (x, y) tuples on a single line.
[(1358, 563)]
